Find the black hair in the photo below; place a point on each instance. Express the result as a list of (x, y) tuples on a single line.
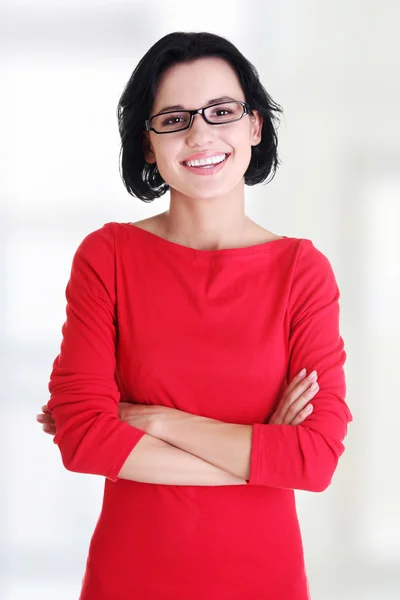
[(142, 179)]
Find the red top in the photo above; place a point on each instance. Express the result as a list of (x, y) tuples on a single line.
[(216, 333)]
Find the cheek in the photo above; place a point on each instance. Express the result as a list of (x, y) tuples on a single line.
[(165, 167), (165, 153), (240, 140), (242, 146)]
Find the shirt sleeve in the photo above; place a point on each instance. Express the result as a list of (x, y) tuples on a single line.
[(305, 456), (84, 395)]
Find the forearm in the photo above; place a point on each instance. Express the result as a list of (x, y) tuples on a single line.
[(224, 445), (154, 461)]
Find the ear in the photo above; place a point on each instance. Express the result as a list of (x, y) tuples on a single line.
[(148, 151), (256, 127)]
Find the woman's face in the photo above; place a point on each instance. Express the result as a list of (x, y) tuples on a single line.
[(193, 85)]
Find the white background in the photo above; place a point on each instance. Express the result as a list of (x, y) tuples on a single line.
[(334, 67)]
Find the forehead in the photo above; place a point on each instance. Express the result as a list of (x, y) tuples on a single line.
[(193, 83)]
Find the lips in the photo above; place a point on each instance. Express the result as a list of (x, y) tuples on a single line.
[(203, 156), (209, 169)]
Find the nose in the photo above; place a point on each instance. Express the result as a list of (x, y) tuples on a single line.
[(200, 133)]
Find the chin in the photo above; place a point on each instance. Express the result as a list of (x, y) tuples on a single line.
[(207, 192), (208, 195)]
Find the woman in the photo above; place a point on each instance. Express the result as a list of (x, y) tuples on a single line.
[(183, 332)]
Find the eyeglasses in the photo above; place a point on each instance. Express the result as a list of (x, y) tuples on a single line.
[(215, 114)]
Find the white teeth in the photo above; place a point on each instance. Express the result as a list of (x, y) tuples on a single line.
[(212, 160)]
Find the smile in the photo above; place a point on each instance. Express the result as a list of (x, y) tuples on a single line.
[(206, 166)]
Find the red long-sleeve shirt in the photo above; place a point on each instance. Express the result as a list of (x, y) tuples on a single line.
[(217, 333)]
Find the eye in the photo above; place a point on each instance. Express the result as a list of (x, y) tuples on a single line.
[(221, 112), (173, 120)]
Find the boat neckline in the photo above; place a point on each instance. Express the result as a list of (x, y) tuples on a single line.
[(222, 252)]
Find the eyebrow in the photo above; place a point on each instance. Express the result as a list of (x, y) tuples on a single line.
[(211, 101)]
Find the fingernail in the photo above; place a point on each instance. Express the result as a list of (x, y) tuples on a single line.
[(39, 417), (302, 372)]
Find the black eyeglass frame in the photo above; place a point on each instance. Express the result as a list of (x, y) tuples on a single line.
[(199, 111)]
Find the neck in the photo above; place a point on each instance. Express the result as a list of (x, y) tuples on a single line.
[(210, 224)]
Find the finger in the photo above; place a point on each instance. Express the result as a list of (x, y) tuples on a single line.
[(296, 380), (297, 406), (45, 409), (50, 429), (302, 385), (45, 418), (275, 419), (290, 396), (303, 414), (51, 432), (123, 407), (301, 402)]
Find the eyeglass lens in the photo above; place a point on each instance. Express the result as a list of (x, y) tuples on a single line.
[(174, 121)]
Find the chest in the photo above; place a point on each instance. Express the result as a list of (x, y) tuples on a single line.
[(213, 345)]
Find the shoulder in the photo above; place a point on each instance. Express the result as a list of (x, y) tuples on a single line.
[(308, 257), (312, 276), (94, 259), (100, 240)]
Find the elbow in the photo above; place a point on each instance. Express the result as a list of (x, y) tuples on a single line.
[(321, 484), (69, 464), (78, 445), (75, 461), (75, 455), (95, 444), (317, 482), (324, 467)]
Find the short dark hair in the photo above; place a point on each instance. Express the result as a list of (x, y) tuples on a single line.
[(142, 179)]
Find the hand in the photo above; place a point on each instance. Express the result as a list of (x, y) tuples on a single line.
[(293, 408), (142, 416), (46, 420)]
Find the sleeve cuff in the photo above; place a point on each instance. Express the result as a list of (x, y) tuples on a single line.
[(255, 438), (117, 466)]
